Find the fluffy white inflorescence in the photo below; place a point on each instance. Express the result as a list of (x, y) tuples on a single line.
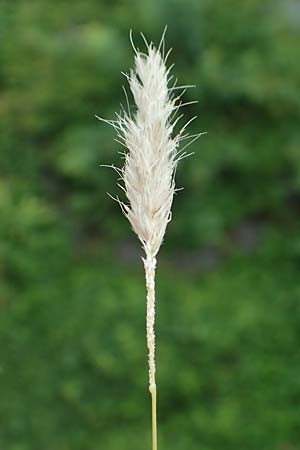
[(151, 160), (152, 152)]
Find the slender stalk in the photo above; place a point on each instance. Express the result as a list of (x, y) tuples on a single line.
[(154, 418), (150, 265)]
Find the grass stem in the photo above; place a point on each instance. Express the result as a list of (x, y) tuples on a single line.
[(154, 417), (150, 265)]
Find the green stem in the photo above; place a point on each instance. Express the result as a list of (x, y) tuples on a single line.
[(154, 417), (150, 264)]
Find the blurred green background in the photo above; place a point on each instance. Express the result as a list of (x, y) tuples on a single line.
[(73, 371)]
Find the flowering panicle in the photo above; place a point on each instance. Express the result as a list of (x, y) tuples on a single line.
[(152, 150)]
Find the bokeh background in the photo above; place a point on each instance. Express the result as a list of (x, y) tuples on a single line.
[(73, 371)]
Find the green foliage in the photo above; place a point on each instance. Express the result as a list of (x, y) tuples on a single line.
[(73, 372)]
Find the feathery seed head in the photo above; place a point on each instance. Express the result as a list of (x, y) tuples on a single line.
[(152, 150)]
